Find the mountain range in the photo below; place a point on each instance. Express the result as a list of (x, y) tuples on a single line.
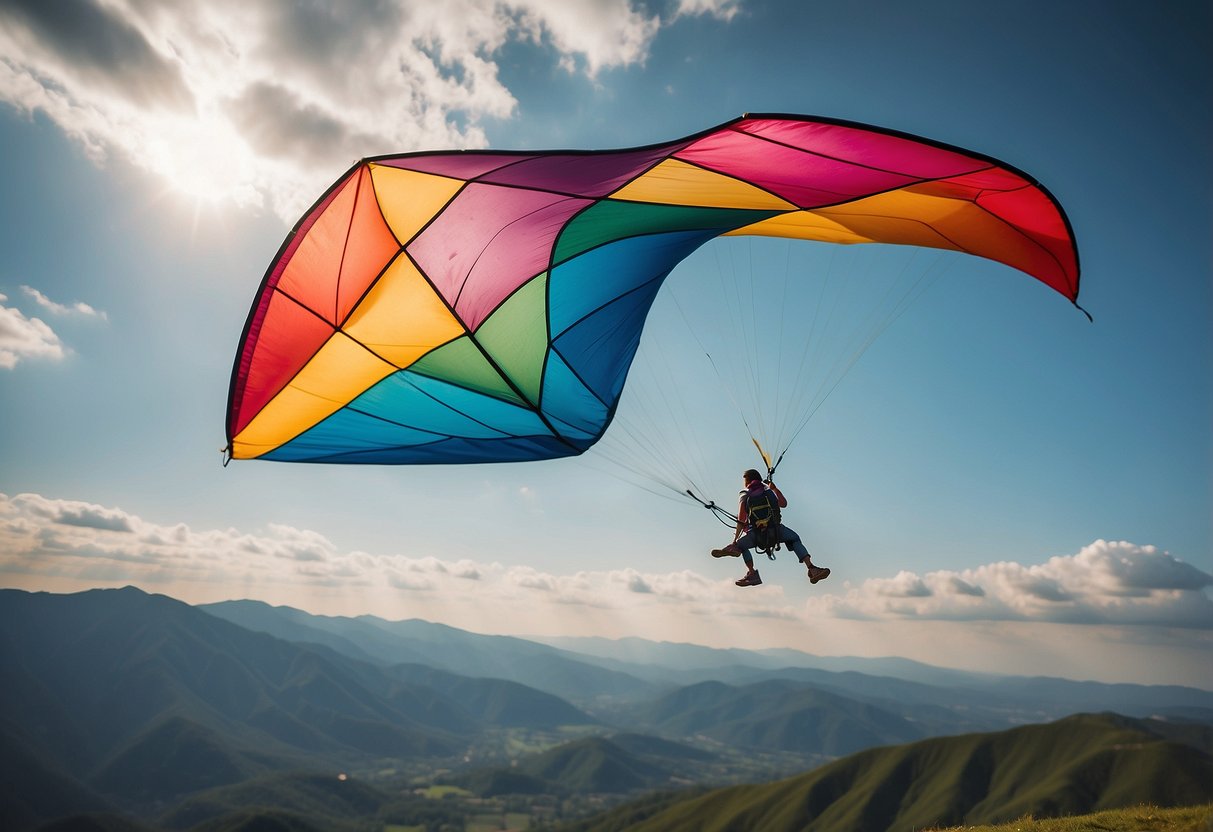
[(119, 703)]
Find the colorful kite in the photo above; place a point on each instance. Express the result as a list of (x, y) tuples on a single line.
[(483, 306)]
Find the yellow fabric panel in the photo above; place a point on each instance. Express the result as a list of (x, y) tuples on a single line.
[(912, 219), (402, 318), (676, 183), (335, 376), (409, 199), (801, 225)]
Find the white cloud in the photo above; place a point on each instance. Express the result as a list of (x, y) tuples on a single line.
[(721, 9), (22, 338), (266, 103), (1154, 611), (1107, 582), (77, 308)]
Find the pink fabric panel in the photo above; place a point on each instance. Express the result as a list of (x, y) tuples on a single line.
[(488, 242), (804, 179)]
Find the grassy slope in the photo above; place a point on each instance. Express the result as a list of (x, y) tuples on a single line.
[(1145, 818), (1077, 765)]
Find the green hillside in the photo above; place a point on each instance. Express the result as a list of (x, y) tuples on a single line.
[(594, 765), (778, 715), (33, 787), (326, 801), (1077, 765)]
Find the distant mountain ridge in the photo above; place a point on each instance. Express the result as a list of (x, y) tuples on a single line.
[(636, 670), (438, 645)]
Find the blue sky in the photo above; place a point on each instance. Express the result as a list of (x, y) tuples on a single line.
[(997, 483)]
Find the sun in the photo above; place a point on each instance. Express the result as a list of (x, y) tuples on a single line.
[(203, 159)]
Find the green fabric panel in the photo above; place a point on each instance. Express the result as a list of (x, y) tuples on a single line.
[(516, 336), (461, 362), (615, 219)]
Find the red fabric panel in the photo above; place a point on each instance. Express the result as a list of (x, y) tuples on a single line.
[(289, 336)]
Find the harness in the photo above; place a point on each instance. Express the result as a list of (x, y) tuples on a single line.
[(763, 518)]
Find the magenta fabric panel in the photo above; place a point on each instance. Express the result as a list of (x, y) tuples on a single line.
[(788, 172), (489, 241), (880, 151)]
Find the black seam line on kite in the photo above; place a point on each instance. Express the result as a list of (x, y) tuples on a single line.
[(547, 305), (719, 230), (345, 245), (336, 456), (375, 281), (982, 164), (344, 456), (365, 292), (845, 198), (497, 234), (885, 131), (526, 156), (447, 435), (287, 382), (339, 457), (532, 406), (433, 216), (521, 156), (236, 387), (957, 246)]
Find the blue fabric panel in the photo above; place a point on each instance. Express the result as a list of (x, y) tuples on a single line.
[(583, 439), (414, 400), (581, 285), (566, 400), (454, 452), (348, 430), (602, 346)]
